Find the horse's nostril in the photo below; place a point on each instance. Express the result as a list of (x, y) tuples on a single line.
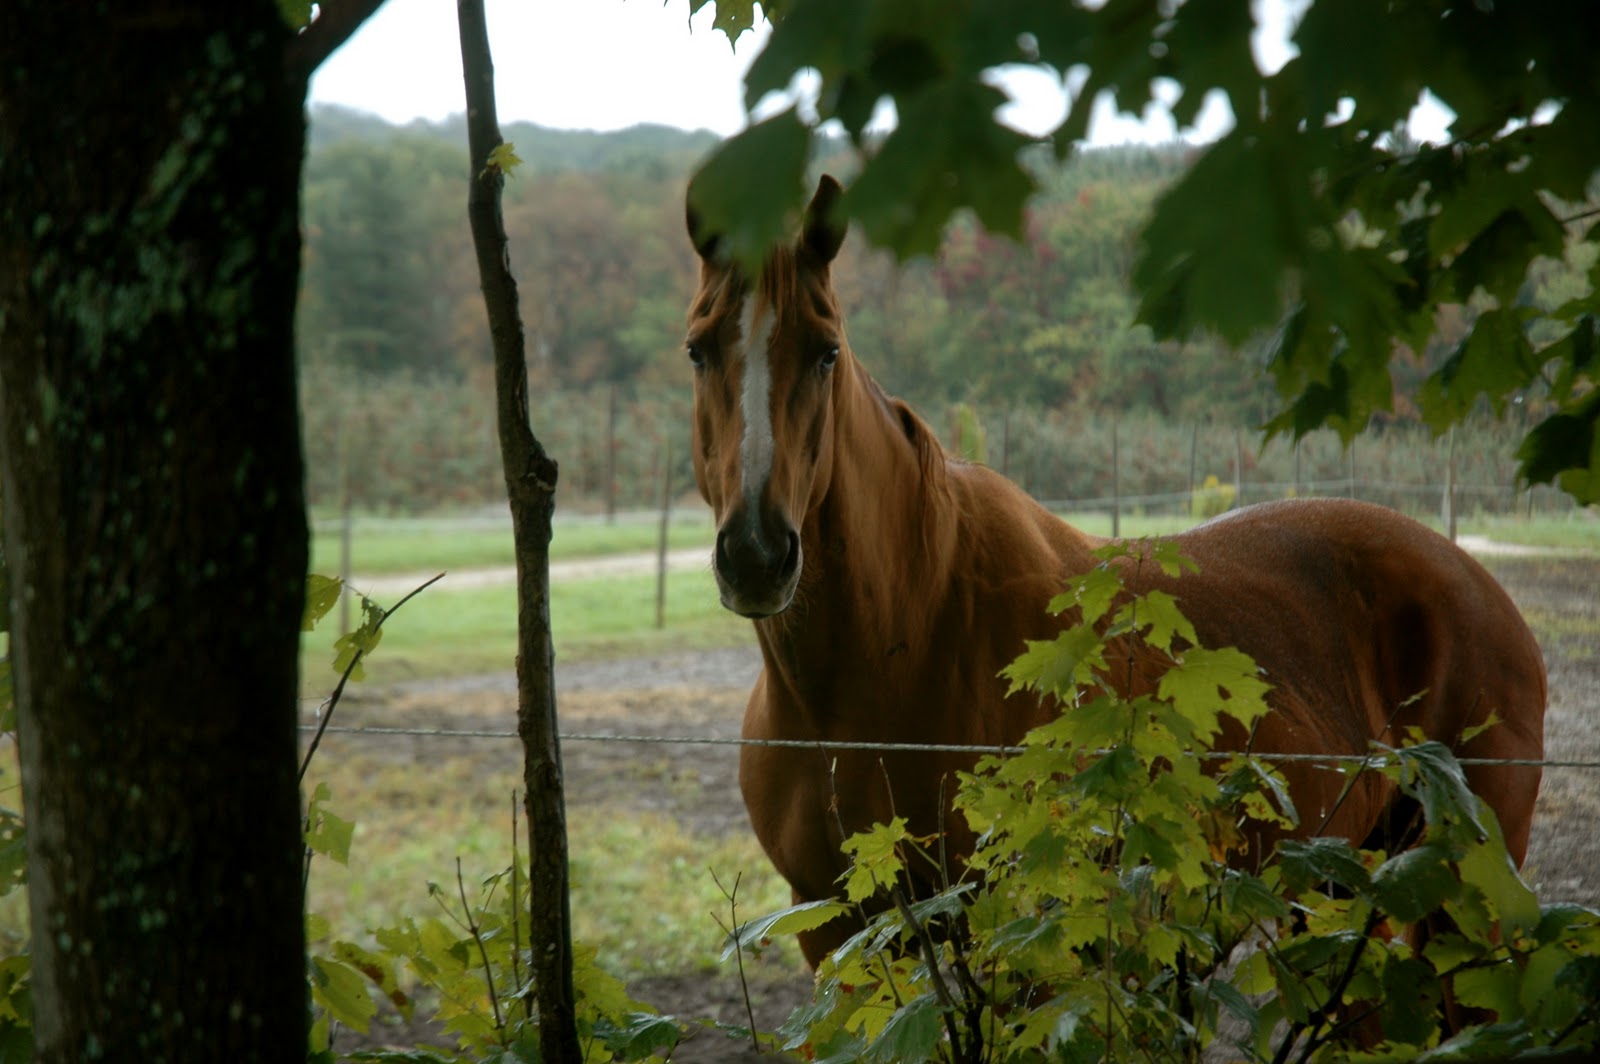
[(741, 556), (791, 561)]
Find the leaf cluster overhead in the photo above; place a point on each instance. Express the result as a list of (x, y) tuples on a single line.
[(1315, 217)]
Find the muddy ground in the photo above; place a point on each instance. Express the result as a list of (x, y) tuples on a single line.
[(703, 695)]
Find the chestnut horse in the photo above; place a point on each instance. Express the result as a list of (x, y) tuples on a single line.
[(889, 584)]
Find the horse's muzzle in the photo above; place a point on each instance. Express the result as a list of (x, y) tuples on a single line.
[(757, 568)]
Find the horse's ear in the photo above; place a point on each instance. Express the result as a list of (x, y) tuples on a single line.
[(705, 242), (823, 233)]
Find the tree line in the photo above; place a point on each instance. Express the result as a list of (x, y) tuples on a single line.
[(596, 228)]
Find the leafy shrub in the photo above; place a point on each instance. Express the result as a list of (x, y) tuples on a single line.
[(1211, 498), (473, 963), (971, 438), (1099, 914)]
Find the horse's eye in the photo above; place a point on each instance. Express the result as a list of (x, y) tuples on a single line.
[(829, 357), (697, 354)]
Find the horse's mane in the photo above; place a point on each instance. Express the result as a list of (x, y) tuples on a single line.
[(931, 457), (779, 283)]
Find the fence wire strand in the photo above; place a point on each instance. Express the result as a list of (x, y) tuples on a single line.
[(1373, 760)]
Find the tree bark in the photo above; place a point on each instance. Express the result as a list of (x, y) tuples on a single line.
[(531, 485), (155, 527)]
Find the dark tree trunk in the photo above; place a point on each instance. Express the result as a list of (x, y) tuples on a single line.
[(155, 529)]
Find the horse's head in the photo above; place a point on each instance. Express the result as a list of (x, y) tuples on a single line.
[(765, 352)]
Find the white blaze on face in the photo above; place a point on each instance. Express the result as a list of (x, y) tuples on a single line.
[(755, 402)]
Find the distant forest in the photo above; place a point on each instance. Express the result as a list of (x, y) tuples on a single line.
[(605, 270)]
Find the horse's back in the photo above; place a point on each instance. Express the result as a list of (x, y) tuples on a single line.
[(1369, 625)]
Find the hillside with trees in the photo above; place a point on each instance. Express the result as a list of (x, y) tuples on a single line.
[(1036, 336)]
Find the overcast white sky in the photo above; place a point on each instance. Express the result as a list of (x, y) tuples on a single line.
[(594, 64), (610, 64), (568, 64)]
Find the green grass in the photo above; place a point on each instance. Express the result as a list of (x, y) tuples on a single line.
[(405, 545), (447, 633), (1577, 531), (1130, 525), (461, 632), (643, 890), (457, 633)]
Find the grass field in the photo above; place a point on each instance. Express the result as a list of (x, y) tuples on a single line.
[(403, 545), (457, 632), (643, 886), (1579, 531)]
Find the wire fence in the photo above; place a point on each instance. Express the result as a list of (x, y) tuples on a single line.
[(1367, 760), (392, 445)]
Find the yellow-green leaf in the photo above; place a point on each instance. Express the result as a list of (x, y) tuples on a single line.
[(322, 592), (875, 855), (503, 157)]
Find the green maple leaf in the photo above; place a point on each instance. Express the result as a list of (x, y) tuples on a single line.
[(1193, 270), (750, 189), (1494, 360), (1565, 447), (947, 152)]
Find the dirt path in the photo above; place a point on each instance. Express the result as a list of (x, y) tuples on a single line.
[(704, 694)]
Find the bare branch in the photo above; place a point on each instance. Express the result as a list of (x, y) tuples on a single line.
[(483, 952), (530, 487), (738, 947), (338, 690)]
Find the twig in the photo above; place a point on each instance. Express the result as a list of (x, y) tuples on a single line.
[(1366, 763), (738, 947), (1580, 216), (488, 970), (838, 821), (931, 955), (338, 690), (1585, 1015), (1312, 1028)]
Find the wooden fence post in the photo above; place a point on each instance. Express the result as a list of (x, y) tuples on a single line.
[(1005, 443), (1116, 483), (1194, 446), (1238, 467), (611, 455), (661, 538), (1350, 453), (1450, 488), (343, 448)]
